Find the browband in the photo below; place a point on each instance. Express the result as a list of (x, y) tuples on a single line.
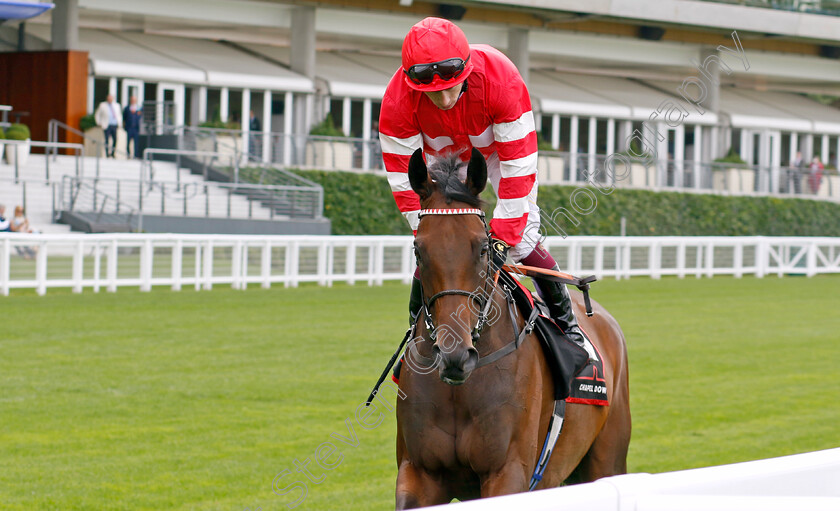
[(473, 211)]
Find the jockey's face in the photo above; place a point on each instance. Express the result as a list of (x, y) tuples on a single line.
[(446, 98)]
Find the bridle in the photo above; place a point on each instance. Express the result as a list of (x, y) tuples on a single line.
[(483, 300)]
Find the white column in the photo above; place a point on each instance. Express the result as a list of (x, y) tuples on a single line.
[(625, 130), (288, 113), (573, 149), (345, 116), (266, 126), (593, 144), (518, 51), (698, 154), (224, 97), (808, 152), (555, 131), (794, 146), (202, 104), (366, 122), (90, 88), (610, 136), (746, 139), (112, 86), (679, 155), (180, 105), (246, 125), (837, 163), (824, 150)]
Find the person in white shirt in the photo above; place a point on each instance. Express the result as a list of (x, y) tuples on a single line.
[(109, 118)]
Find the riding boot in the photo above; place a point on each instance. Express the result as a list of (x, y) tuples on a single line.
[(415, 302), (556, 296)]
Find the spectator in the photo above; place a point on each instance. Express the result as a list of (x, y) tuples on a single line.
[(5, 224), (797, 165), (132, 118), (816, 174), (20, 224), (254, 142), (108, 118), (375, 146)]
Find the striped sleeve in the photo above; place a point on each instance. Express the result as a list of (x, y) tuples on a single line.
[(399, 139), (516, 142)]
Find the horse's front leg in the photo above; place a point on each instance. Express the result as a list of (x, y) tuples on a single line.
[(510, 479), (417, 488)]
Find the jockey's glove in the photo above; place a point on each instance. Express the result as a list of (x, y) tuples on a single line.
[(499, 251)]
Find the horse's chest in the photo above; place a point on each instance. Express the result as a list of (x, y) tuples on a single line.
[(463, 430)]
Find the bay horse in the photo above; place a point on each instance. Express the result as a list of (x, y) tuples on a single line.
[(466, 430)]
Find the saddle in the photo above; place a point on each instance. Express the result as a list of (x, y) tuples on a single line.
[(577, 372)]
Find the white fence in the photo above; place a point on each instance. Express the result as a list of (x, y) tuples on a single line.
[(95, 261), (804, 481)]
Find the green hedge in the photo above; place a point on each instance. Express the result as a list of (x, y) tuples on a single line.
[(362, 204)]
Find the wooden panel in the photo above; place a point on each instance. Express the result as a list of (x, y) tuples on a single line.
[(47, 85)]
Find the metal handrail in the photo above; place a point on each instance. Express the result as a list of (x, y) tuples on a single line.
[(148, 160), (78, 148), (52, 135)]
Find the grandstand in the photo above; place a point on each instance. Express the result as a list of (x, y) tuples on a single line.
[(693, 83)]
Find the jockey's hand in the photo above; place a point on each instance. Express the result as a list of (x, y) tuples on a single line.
[(499, 251)]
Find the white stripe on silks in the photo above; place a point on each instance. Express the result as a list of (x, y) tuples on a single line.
[(484, 140), (437, 143), (401, 146), (399, 181), (511, 208), (520, 167), (413, 218), (515, 130)]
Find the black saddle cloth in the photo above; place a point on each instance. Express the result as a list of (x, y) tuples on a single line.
[(565, 358)]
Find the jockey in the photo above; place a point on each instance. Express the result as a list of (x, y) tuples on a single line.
[(449, 97)]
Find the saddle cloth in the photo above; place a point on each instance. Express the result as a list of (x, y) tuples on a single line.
[(578, 373)]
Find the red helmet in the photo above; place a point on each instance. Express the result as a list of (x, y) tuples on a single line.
[(435, 55)]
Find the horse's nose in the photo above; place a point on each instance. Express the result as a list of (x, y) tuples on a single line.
[(457, 365)]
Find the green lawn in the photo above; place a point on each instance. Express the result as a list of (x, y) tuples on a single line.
[(197, 400)]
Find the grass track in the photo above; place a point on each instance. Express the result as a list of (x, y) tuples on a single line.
[(196, 400)]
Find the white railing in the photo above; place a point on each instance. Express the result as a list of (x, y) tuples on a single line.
[(802, 481), (30, 261)]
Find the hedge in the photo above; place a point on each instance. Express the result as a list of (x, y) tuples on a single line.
[(362, 204)]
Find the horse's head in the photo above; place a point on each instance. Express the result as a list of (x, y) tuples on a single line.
[(452, 249)]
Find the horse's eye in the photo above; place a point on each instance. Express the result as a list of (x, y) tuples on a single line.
[(484, 250)]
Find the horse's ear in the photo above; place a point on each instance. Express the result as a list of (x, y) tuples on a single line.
[(476, 172), (418, 175)]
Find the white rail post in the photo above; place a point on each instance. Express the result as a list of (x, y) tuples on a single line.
[(811, 255), (97, 265), (236, 265), (738, 259), (112, 267), (681, 260), (322, 263), (350, 263), (78, 266), (41, 269), (177, 264), (710, 259), (599, 260), (653, 260), (293, 259), (198, 260), (407, 263), (761, 258), (379, 263), (330, 263), (208, 265), (146, 265), (265, 265), (5, 262)]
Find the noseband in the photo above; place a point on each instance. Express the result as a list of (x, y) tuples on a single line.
[(482, 300)]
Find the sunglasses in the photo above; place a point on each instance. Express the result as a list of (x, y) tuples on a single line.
[(424, 74)]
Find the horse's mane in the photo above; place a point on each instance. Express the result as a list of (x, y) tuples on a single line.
[(444, 172)]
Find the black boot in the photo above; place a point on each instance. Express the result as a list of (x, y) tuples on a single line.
[(415, 302), (556, 296)]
